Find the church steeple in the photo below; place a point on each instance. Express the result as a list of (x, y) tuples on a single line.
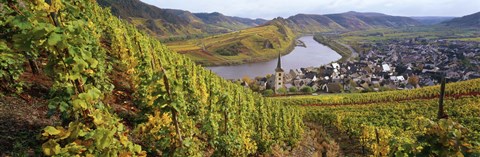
[(279, 75), (279, 64)]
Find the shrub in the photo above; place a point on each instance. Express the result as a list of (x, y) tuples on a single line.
[(268, 92), (282, 91), (293, 89), (307, 89)]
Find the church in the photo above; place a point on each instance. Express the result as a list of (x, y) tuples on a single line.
[(279, 77)]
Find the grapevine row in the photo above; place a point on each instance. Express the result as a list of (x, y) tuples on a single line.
[(469, 87), (407, 128), (185, 110)]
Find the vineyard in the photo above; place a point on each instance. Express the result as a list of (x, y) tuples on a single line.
[(91, 57), (457, 89), (402, 123)]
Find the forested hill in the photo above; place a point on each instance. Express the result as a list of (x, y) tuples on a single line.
[(165, 23), (115, 91)]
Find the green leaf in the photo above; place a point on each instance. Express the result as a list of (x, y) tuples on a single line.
[(137, 148), (54, 39), (79, 103)]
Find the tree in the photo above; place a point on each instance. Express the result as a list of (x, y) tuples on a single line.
[(293, 89), (413, 80), (246, 79)]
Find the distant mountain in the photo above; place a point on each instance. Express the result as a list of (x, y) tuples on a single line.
[(431, 20), (170, 22), (313, 23), (472, 20), (348, 21)]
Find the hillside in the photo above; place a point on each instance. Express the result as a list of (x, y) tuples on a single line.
[(94, 85), (232, 23), (313, 23), (347, 22), (165, 23), (472, 21), (431, 20), (249, 45), (399, 123)]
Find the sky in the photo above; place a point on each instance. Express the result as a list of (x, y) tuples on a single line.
[(269, 9)]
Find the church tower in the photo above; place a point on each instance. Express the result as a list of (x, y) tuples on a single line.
[(279, 75)]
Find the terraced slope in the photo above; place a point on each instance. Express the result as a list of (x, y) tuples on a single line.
[(250, 45)]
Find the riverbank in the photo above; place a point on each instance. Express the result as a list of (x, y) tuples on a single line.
[(347, 53)]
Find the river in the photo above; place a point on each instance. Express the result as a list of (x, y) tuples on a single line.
[(315, 54)]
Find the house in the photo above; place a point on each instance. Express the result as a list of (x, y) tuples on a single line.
[(295, 73), (386, 68), (310, 75), (335, 65), (332, 87)]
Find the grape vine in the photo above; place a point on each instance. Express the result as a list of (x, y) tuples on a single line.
[(185, 110)]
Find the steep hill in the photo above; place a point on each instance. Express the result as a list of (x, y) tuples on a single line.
[(249, 45), (115, 91), (166, 23), (347, 21), (472, 20)]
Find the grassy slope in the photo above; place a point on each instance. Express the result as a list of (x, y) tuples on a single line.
[(251, 43)]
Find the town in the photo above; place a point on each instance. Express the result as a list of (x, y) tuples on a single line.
[(391, 65)]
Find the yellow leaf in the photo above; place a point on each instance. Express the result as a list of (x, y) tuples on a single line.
[(51, 148), (50, 130)]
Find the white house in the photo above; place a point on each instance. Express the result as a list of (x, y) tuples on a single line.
[(335, 65), (386, 68)]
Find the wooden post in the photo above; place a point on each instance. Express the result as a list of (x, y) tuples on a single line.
[(441, 113), (378, 139)]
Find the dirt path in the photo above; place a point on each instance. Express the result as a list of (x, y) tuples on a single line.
[(315, 142)]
